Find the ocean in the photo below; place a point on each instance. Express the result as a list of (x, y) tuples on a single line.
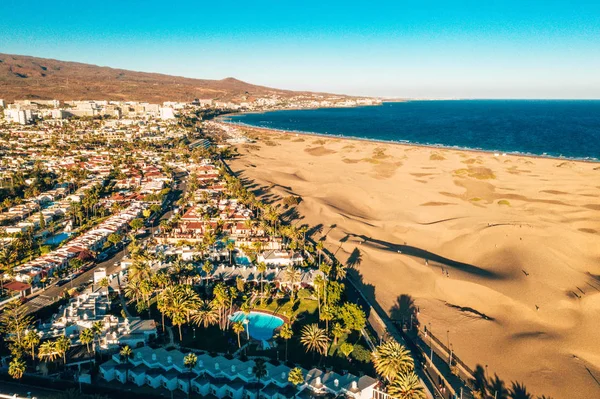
[(554, 128)]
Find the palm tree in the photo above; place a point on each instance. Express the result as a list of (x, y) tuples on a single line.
[(296, 378), (62, 345), (16, 368), (320, 247), (230, 247), (260, 371), (327, 314), (48, 351), (292, 276), (392, 359), (314, 339), (31, 340), (86, 337), (206, 315), (286, 333), (163, 303), (189, 361), (238, 328), (338, 332), (207, 268), (406, 386), (124, 355), (180, 306), (261, 268), (97, 329)]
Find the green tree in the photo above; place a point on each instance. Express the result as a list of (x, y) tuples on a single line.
[(346, 348), (261, 268), (124, 355), (407, 386), (42, 221), (63, 344), (353, 317), (286, 333), (86, 337), (238, 328), (189, 361), (115, 238), (260, 372), (391, 359), (48, 351), (296, 378), (314, 339), (136, 224), (338, 332), (16, 368), (31, 340), (14, 321), (230, 248), (206, 314)]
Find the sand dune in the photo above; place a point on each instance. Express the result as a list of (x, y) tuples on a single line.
[(518, 236)]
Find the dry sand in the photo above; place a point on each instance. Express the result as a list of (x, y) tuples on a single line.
[(519, 232)]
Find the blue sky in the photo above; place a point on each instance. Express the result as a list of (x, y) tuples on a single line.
[(417, 49)]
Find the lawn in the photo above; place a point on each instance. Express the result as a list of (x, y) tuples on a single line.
[(303, 307)]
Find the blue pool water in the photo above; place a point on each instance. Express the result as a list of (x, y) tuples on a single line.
[(261, 325), (559, 128), (57, 239), (243, 260)]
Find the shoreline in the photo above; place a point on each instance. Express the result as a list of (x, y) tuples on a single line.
[(403, 144)]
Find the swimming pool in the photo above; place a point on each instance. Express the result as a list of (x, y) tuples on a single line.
[(57, 239), (242, 260), (261, 325)]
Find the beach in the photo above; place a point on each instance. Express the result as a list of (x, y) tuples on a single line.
[(500, 253)]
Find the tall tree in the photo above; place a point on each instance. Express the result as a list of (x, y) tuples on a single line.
[(63, 344), (260, 372), (31, 340), (124, 355), (14, 321), (407, 386), (296, 378), (286, 333), (86, 337), (391, 359), (189, 361), (238, 328), (314, 339), (206, 314), (16, 368)]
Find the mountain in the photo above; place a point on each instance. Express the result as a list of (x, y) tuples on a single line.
[(25, 77)]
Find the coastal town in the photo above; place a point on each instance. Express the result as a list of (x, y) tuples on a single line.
[(136, 263), (131, 253)]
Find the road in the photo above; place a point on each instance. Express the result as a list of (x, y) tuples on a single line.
[(25, 391)]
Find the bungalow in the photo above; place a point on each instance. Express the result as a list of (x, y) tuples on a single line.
[(280, 257), (232, 378)]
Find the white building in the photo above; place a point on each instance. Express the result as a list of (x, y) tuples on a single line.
[(167, 113), (231, 378)]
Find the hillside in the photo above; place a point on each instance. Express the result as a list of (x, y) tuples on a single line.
[(25, 77)]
